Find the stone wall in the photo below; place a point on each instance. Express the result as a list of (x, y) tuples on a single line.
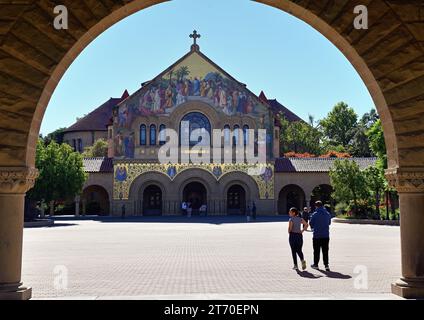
[(87, 137)]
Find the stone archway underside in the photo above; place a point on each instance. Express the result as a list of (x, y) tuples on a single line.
[(389, 57)]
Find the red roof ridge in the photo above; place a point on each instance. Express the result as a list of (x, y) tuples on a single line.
[(125, 95), (263, 97)]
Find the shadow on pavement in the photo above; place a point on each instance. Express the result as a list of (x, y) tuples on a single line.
[(179, 219), (308, 275), (335, 275)]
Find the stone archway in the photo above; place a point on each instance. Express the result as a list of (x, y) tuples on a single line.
[(195, 195), (95, 200), (236, 200), (137, 193), (151, 200), (388, 56), (290, 196)]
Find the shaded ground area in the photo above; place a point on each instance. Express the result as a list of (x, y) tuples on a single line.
[(203, 258)]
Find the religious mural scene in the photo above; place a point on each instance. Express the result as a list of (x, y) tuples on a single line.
[(194, 78), (196, 91)]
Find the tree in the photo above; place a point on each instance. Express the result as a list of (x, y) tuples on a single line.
[(360, 145), (61, 173), (339, 126), (378, 146), (376, 184), (98, 149), (299, 137), (56, 136), (182, 72), (375, 136), (348, 182), (369, 118)]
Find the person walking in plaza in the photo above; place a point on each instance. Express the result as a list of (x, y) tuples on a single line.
[(296, 237), (306, 215), (253, 210), (320, 223)]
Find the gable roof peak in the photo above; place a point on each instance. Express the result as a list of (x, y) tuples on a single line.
[(125, 95)]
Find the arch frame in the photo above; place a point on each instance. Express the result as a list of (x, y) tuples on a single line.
[(287, 6)]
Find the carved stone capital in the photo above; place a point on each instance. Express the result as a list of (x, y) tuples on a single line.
[(406, 179), (17, 179)]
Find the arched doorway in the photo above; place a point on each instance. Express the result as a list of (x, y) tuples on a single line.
[(152, 201), (236, 200), (196, 194), (290, 196), (322, 193), (95, 201)]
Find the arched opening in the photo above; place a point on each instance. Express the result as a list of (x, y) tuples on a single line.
[(236, 200), (195, 193), (322, 193), (195, 121), (403, 96), (290, 196), (152, 201), (95, 201)]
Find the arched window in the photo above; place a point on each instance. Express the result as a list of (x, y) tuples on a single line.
[(152, 135), (246, 134), (143, 135), (196, 120), (236, 134), (162, 134), (227, 134)]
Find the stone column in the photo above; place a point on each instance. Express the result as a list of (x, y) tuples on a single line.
[(14, 182), (410, 186), (77, 206)]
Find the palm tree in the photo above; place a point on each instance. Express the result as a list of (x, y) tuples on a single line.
[(182, 72)]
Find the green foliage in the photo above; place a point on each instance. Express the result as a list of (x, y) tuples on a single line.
[(299, 137), (359, 145), (98, 149), (61, 172), (369, 118), (339, 126), (377, 144), (348, 182), (56, 136)]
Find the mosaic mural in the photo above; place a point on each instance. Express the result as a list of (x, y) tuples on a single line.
[(194, 78), (126, 173)]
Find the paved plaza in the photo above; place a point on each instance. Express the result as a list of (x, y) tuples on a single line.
[(203, 258)]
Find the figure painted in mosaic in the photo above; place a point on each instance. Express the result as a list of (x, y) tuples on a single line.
[(172, 171), (121, 174), (267, 175), (217, 171), (129, 146)]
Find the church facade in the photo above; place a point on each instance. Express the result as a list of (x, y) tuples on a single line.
[(194, 95)]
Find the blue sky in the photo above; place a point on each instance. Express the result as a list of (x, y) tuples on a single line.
[(258, 45)]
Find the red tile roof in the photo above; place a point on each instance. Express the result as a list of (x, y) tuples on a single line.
[(98, 119), (277, 108)]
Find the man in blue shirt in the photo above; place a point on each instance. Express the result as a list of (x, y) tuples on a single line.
[(320, 223)]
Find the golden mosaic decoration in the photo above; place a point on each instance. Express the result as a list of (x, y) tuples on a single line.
[(125, 174)]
